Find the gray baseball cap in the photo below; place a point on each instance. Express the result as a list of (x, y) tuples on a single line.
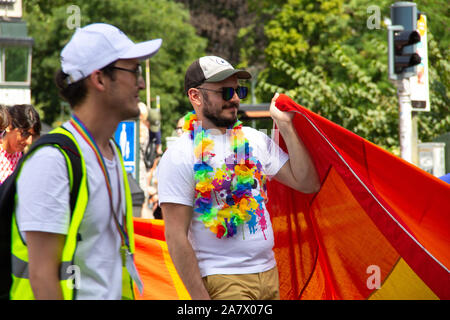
[(211, 69)]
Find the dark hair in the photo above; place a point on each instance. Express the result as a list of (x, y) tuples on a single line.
[(73, 93), (194, 76), (4, 118), (76, 92), (25, 117)]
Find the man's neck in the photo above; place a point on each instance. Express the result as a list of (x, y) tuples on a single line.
[(208, 125), (100, 126)]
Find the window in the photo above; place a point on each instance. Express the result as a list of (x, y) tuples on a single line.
[(15, 64)]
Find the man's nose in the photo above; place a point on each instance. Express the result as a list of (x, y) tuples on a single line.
[(235, 97)]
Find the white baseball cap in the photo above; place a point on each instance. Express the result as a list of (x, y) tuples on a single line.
[(211, 69), (99, 44)]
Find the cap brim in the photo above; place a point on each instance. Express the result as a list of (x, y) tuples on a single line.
[(143, 50), (241, 74)]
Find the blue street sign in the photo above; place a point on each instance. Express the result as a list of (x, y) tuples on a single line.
[(126, 136)]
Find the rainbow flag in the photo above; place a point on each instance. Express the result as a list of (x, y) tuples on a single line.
[(158, 274), (379, 228)]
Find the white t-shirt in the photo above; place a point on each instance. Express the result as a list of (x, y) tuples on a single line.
[(43, 205), (246, 251)]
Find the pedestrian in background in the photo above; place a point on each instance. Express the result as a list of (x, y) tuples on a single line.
[(101, 78), (143, 171), (153, 203), (179, 127), (4, 120), (23, 126), (212, 188), (154, 119)]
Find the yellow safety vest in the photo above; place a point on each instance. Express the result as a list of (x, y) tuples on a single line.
[(21, 288)]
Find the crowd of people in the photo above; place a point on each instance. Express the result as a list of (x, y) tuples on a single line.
[(150, 154), (209, 186)]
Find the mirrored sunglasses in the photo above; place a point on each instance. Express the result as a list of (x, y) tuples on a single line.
[(228, 92)]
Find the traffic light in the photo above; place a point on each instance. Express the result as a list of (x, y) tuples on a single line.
[(402, 39), (403, 57)]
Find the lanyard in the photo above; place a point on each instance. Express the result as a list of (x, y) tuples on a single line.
[(125, 250), (87, 136)]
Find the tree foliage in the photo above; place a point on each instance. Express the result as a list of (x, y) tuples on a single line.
[(320, 52), (141, 20), (323, 55), (220, 22)]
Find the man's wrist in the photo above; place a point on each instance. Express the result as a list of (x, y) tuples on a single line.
[(285, 127)]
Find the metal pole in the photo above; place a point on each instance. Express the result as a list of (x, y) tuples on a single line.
[(403, 17), (147, 82), (415, 138), (405, 119), (253, 82)]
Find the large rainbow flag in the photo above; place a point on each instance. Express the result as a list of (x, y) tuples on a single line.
[(379, 228)]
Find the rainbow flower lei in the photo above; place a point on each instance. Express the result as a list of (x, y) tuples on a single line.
[(231, 185)]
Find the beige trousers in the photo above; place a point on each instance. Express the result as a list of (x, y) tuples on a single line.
[(253, 286)]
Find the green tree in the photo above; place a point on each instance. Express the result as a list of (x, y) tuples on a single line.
[(141, 20), (219, 21), (323, 55)]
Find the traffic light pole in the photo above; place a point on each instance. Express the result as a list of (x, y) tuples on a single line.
[(404, 99), (402, 62), (405, 119)]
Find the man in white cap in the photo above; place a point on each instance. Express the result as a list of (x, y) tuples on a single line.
[(101, 78), (212, 188)]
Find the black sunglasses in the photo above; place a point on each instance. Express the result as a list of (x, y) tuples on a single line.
[(228, 92)]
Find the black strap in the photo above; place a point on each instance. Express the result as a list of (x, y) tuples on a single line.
[(75, 159)]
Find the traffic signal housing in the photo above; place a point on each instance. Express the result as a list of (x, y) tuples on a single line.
[(404, 55), (402, 39)]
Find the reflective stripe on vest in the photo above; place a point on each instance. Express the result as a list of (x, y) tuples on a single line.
[(20, 269), (127, 282), (21, 288)]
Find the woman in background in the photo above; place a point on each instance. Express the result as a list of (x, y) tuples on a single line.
[(24, 124), (4, 120)]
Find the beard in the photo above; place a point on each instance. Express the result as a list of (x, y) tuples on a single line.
[(214, 115)]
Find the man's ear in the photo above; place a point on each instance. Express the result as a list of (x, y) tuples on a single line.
[(195, 97), (97, 80)]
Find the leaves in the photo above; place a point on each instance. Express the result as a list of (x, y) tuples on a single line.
[(322, 54), (319, 52)]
